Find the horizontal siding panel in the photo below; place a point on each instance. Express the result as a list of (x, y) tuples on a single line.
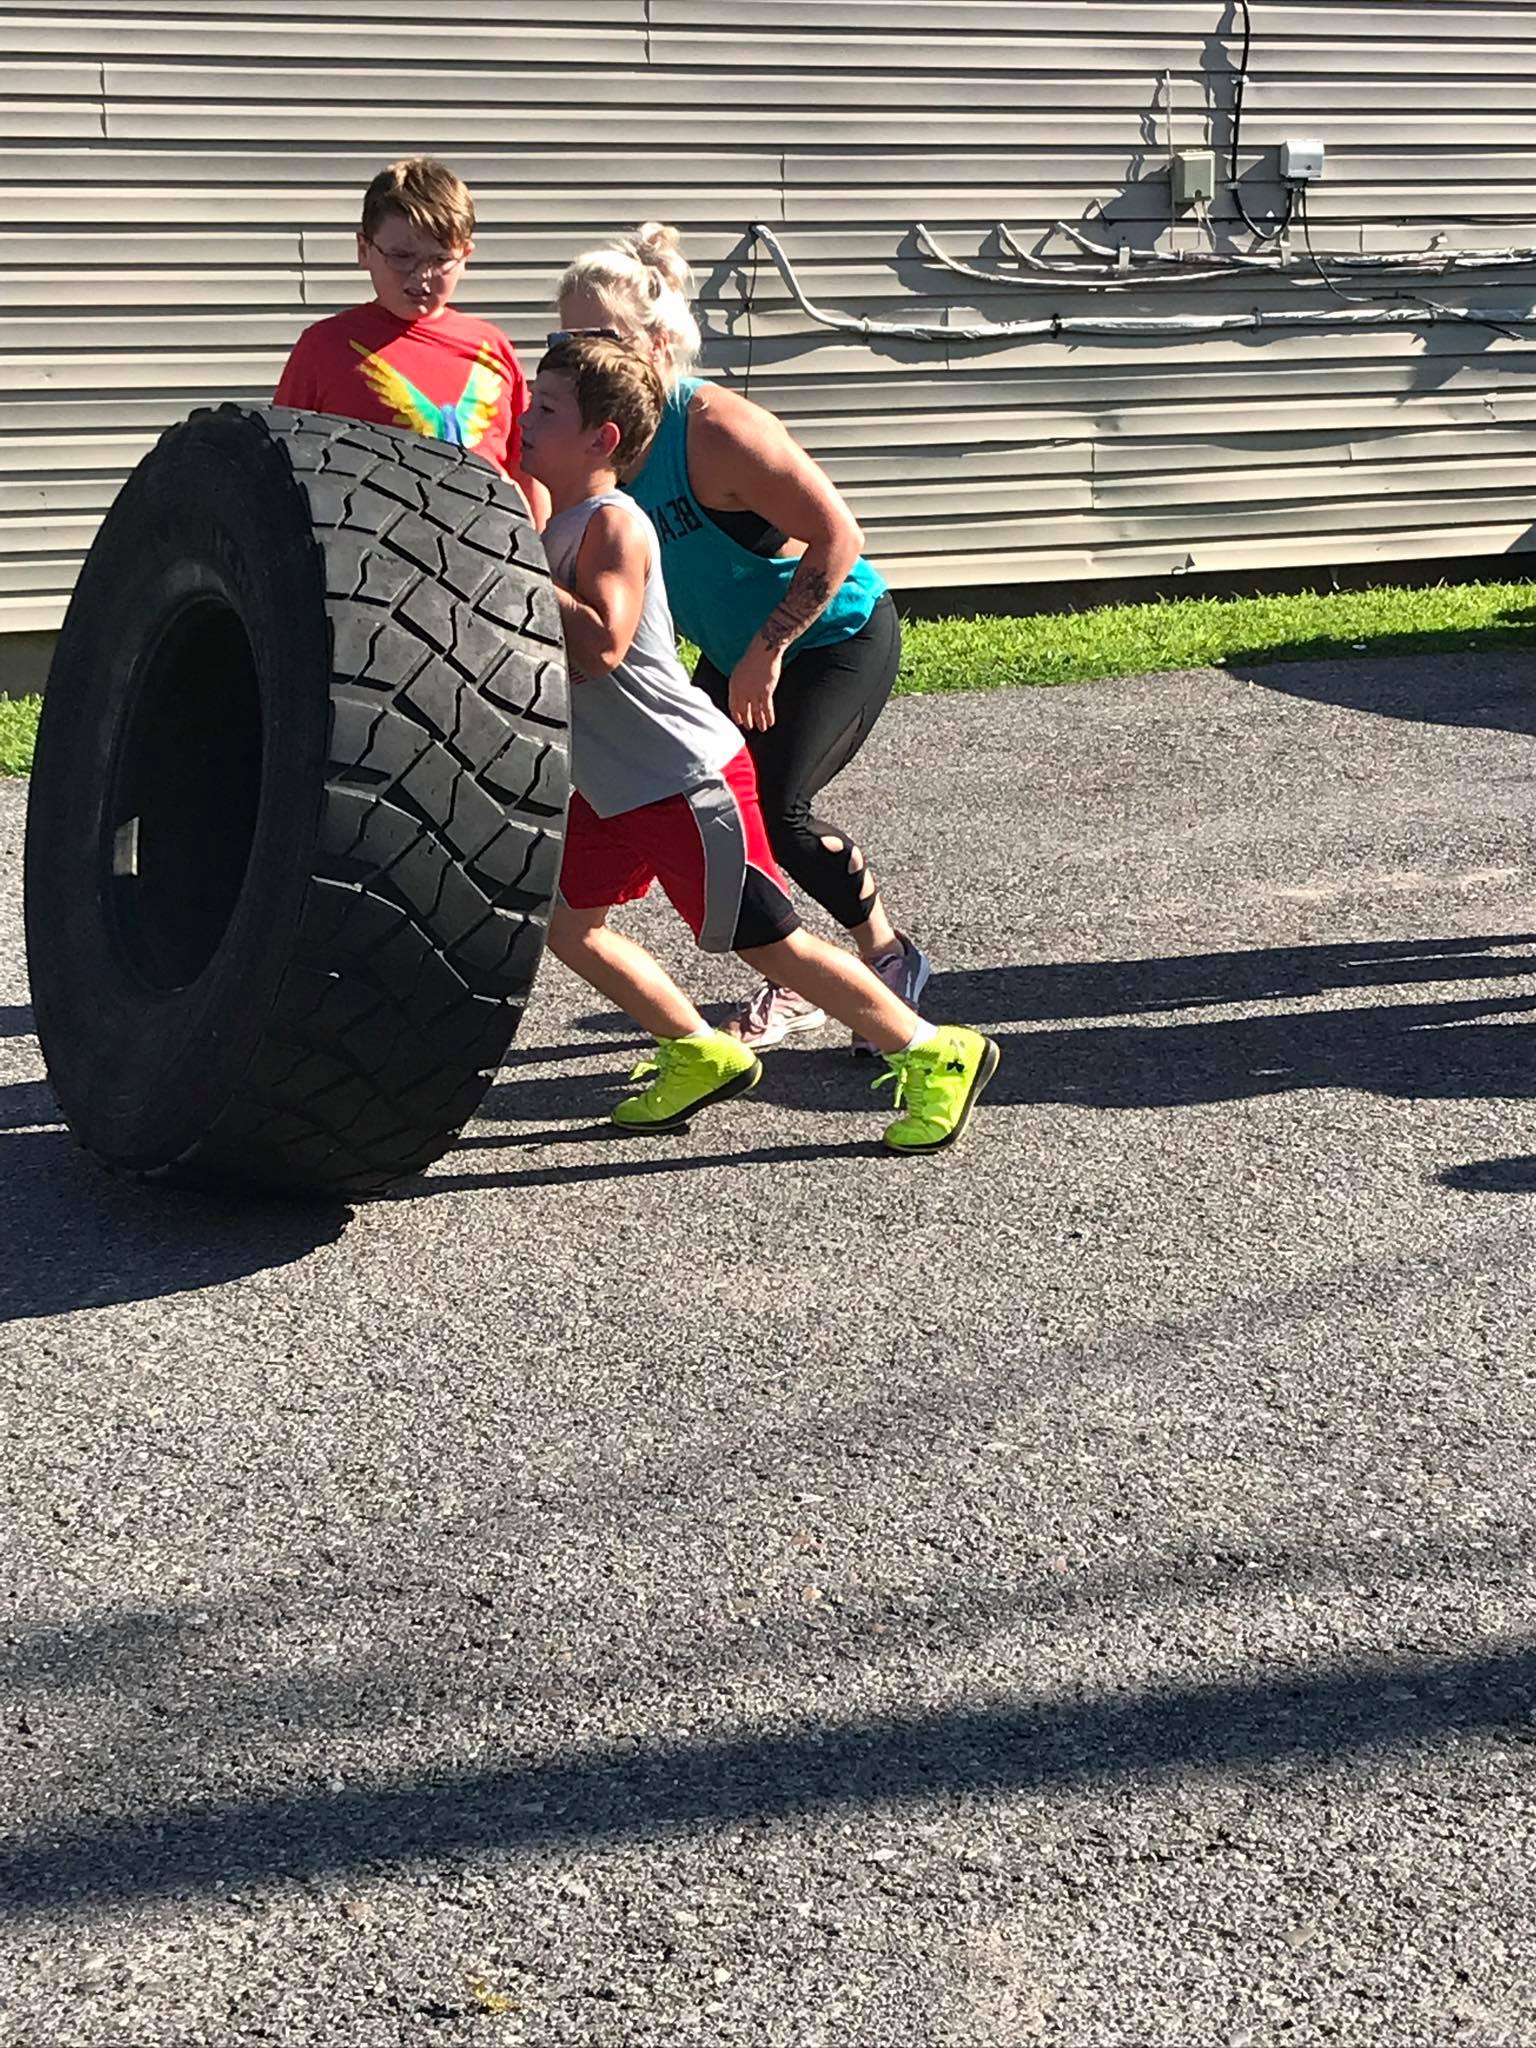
[(1093, 25), (1147, 59), (60, 454), (199, 204), (1070, 140), (145, 31), (41, 574), (60, 254), (1099, 457), (1096, 102), (340, 17), (32, 497), (959, 570), (45, 120), (833, 437), (1256, 452), (146, 290), (1090, 21), (350, 170), (46, 536), (31, 614), (58, 80), (786, 109), (1184, 527), (1105, 376), (1323, 483), (240, 373)]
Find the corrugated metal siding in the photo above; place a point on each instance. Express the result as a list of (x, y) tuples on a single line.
[(179, 181)]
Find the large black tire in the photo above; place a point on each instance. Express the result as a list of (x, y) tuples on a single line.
[(297, 805)]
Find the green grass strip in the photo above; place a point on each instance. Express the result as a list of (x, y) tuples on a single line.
[(1144, 639), (18, 731)]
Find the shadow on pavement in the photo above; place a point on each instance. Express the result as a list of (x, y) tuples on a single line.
[(1449, 1050), (1049, 991), (1515, 1176), (1432, 688), (1453, 1049), (76, 1238), (634, 1158), (613, 1793), (27, 1105)]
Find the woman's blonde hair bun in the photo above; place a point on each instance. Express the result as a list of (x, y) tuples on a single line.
[(659, 247), (643, 281)]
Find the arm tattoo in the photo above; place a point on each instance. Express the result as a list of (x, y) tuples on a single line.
[(807, 597)]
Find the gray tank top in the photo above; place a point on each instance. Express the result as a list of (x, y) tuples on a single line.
[(643, 732)]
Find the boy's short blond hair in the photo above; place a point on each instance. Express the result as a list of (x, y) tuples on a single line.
[(427, 194), (612, 382)]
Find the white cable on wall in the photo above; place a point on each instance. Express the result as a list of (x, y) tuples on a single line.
[(1057, 324), (1429, 262)]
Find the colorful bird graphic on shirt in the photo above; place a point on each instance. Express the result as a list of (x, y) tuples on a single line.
[(462, 424)]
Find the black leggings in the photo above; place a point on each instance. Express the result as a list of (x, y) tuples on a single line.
[(827, 703)]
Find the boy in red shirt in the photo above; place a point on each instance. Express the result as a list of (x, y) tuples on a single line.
[(408, 359)]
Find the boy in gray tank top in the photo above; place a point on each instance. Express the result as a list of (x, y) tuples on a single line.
[(664, 790)]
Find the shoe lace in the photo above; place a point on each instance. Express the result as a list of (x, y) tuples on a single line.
[(657, 1063), (760, 1008), (913, 1079)]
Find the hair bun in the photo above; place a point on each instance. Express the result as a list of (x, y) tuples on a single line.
[(658, 246)]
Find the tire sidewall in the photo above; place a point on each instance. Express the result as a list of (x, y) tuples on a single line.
[(213, 513)]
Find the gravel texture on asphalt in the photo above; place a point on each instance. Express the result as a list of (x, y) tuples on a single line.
[(743, 1588)]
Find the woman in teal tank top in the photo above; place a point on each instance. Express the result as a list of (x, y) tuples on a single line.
[(765, 572)]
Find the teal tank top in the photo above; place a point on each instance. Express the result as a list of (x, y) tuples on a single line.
[(720, 592)]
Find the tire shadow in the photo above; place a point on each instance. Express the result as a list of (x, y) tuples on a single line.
[(76, 1237)]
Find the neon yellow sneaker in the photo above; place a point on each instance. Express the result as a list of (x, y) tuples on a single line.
[(937, 1085), (687, 1074)]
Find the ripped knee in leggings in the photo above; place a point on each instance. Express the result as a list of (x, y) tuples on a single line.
[(834, 842)]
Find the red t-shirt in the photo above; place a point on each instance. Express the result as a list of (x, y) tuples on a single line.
[(454, 378)]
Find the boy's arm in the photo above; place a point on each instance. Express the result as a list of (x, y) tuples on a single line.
[(531, 488), (601, 613)]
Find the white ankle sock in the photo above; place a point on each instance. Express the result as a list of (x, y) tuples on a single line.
[(920, 1036)]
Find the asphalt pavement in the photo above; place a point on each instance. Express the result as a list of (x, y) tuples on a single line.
[(747, 1589)]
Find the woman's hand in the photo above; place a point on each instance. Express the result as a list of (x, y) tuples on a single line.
[(754, 680)]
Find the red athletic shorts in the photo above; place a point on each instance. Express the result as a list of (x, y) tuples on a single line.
[(709, 850)]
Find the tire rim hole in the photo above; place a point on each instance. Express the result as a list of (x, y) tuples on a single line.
[(182, 817)]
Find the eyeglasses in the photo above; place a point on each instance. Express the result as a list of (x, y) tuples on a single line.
[(403, 263), (584, 334)]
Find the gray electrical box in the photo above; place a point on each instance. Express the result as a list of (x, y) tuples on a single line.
[(1301, 160), (1194, 176)]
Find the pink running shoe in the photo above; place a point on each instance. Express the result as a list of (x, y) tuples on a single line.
[(905, 974), (771, 1016)]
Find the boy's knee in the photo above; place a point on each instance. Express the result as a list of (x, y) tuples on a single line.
[(569, 930)]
